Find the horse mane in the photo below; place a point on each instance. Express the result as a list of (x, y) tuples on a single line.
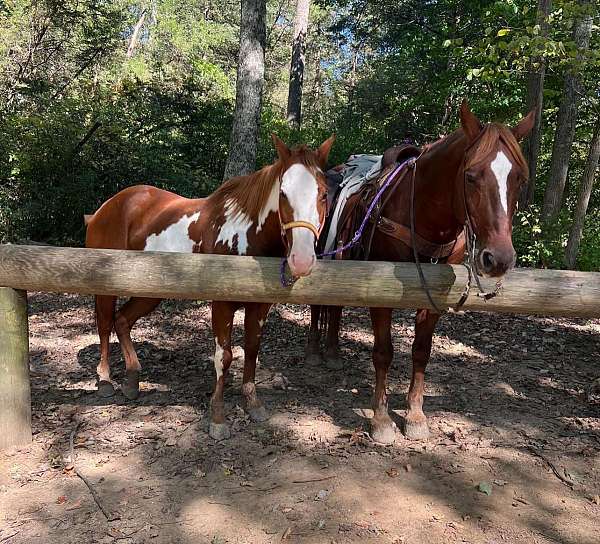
[(250, 193), (487, 142)]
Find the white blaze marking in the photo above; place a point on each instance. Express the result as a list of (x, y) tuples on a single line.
[(218, 359), (261, 322), (236, 224), (501, 167), (175, 238), (301, 189)]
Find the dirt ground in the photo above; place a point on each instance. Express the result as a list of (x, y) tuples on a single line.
[(514, 454)]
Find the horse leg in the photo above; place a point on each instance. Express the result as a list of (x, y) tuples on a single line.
[(125, 319), (383, 429), (313, 351), (333, 356), (415, 423), (105, 317), (255, 317), (222, 324)]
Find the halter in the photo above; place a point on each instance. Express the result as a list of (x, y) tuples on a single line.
[(303, 224)]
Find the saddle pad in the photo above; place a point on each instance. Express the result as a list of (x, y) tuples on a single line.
[(357, 170)]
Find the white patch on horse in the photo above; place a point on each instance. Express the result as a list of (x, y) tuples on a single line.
[(236, 225), (261, 322), (271, 205), (301, 189), (501, 167), (218, 359), (175, 238)]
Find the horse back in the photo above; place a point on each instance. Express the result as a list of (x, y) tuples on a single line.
[(126, 220)]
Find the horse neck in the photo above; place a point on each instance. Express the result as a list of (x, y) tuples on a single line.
[(438, 201)]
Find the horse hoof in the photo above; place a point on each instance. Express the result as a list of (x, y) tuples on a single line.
[(384, 434), (132, 393), (131, 386), (334, 363), (416, 430), (105, 389), (258, 414), (219, 431)]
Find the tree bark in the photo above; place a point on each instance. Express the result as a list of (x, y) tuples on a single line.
[(535, 97), (565, 124), (249, 89), (294, 105), (583, 198), (136, 34)]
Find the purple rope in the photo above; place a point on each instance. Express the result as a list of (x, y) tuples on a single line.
[(287, 282)]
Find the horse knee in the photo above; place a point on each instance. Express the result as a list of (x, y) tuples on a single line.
[(121, 325)]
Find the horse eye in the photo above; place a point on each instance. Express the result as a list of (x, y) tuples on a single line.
[(470, 177)]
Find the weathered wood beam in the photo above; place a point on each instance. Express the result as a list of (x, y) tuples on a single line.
[(15, 397), (345, 283)]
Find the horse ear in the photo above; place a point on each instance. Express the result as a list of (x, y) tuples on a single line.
[(283, 151), (469, 122), (524, 126), (324, 149)]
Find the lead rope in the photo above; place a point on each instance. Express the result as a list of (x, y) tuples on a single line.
[(414, 241)]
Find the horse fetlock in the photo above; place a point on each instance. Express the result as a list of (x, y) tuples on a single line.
[(217, 411), (249, 391)]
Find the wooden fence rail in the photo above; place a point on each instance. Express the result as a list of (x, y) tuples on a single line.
[(217, 277)]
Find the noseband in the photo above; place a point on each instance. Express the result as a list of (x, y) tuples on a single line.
[(302, 224)]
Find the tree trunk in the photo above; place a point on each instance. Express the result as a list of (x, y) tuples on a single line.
[(249, 89), (535, 97), (583, 198), (565, 124), (136, 34), (294, 106)]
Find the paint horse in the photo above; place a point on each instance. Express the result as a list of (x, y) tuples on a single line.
[(276, 212), (472, 176)]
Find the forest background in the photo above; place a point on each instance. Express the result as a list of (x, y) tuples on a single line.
[(98, 95)]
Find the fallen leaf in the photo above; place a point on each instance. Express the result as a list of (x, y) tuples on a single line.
[(61, 500), (392, 473), (485, 487)]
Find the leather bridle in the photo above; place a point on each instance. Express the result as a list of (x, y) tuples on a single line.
[(470, 261)]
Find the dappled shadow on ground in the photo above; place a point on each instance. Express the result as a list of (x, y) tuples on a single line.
[(499, 416)]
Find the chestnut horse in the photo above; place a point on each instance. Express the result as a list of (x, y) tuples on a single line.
[(471, 176), (277, 212)]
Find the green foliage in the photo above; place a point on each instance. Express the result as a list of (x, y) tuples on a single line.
[(81, 119)]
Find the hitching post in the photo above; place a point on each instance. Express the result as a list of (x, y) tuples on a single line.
[(15, 395)]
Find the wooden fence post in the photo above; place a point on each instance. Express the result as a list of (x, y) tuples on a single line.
[(15, 394)]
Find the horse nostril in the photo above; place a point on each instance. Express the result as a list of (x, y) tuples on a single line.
[(487, 259)]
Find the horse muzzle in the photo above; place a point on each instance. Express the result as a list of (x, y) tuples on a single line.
[(301, 263), (494, 262)]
